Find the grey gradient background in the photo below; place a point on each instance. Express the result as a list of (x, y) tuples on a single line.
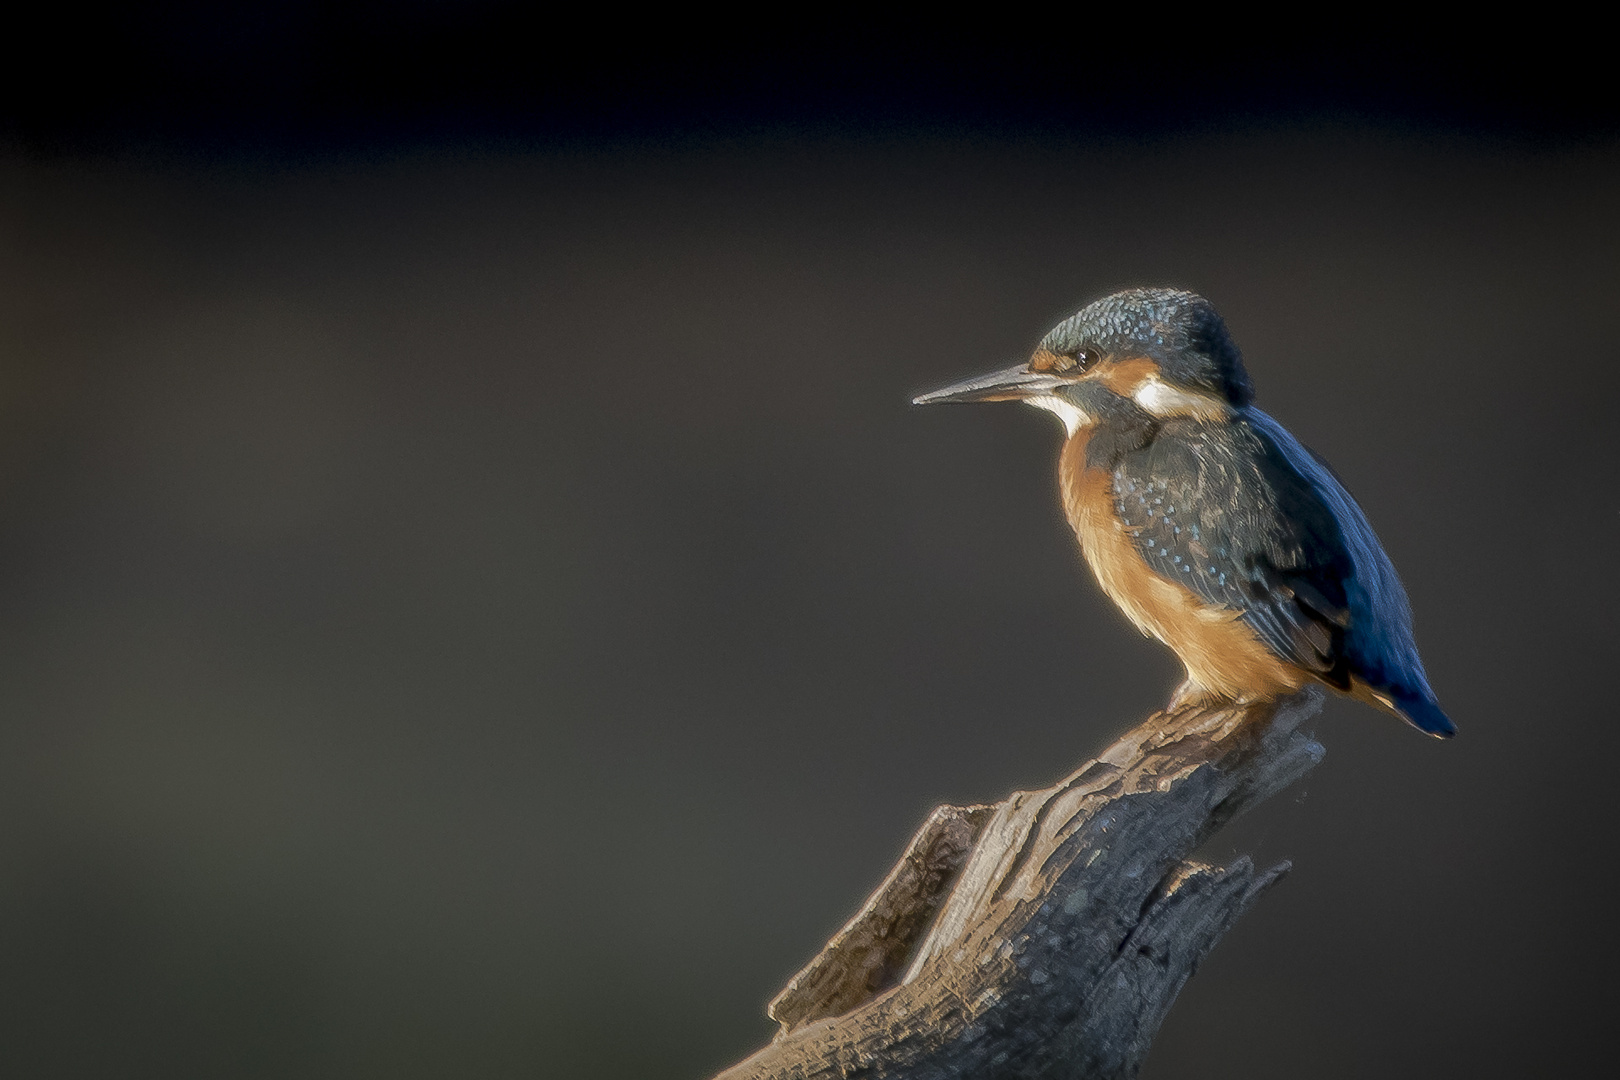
[(486, 608)]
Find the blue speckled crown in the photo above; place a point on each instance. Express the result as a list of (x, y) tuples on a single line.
[(1179, 330)]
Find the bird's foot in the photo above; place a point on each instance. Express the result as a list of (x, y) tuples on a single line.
[(1190, 695)]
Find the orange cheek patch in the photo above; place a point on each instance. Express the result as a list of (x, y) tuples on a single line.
[(1123, 377)]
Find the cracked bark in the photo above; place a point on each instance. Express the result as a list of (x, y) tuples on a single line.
[(1049, 934)]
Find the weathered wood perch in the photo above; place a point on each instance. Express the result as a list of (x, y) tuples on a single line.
[(1049, 934)]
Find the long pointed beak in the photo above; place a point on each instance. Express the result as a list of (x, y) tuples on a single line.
[(1011, 384)]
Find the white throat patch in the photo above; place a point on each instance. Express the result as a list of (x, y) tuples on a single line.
[(1073, 417)]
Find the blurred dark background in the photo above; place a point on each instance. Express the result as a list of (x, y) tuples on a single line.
[(475, 601)]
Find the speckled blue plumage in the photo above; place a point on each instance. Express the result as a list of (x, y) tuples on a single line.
[(1181, 331)]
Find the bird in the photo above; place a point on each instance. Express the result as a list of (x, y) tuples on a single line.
[(1204, 520)]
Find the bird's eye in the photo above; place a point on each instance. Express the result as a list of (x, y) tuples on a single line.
[(1065, 363), (1081, 359)]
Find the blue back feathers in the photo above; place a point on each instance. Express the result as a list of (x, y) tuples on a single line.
[(1382, 650)]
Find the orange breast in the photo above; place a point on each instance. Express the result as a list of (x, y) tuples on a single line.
[(1222, 655)]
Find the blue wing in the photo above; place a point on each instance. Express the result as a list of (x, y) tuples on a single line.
[(1383, 651), (1214, 509), (1248, 519)]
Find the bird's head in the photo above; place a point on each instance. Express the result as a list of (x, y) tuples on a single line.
[(1165, 350)]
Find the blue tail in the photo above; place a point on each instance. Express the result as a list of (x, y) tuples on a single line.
[(1424, 713)]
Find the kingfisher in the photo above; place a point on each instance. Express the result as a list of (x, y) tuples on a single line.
[(1210, 526)]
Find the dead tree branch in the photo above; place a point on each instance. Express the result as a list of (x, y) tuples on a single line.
[(1049, 934)]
